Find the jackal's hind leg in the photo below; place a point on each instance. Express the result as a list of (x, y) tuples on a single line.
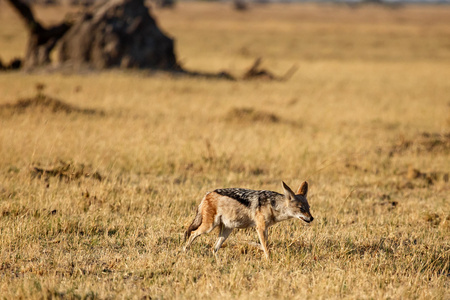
[(223, 235), (204, 228)]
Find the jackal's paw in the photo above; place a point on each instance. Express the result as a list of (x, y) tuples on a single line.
[(257, 245)]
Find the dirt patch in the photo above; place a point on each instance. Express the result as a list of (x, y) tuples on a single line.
[(44, 103), (429, 177), (413, 178), (65, 171), (385, 200), (250, 115), (425, 142)]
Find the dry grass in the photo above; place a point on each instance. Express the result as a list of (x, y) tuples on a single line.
[(365, 120)]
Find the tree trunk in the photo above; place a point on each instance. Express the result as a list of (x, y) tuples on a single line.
[(119, 33), (41, 40)]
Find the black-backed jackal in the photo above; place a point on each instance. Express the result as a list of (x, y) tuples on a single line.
[(243, 208)]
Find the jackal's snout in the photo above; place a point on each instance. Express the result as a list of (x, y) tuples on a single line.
[(308, 220), (307, 217)]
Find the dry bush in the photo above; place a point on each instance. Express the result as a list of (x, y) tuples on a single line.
[(428, 142), (64, 170)]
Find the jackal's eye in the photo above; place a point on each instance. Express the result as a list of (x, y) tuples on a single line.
[(302, 210)]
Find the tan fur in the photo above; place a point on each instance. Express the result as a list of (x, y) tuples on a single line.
[(209, 208), (261, 229)]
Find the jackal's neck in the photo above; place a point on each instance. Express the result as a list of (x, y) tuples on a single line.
[(281, 216), (280, 210)]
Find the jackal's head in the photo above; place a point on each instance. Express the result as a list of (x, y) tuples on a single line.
[(296, 203)]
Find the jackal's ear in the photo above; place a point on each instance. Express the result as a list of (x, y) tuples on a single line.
[(303, 189), (287, 191)]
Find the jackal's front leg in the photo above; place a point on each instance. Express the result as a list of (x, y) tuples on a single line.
[(262, 233), (261, 228)]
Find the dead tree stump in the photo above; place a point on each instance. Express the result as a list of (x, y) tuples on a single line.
[(120, 33), (116, 33)]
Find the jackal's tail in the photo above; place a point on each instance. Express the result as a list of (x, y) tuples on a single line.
[(195, 224)]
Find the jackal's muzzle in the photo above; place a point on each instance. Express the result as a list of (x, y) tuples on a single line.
[(307, 219)]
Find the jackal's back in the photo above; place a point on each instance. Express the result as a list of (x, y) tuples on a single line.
[(250, 198)]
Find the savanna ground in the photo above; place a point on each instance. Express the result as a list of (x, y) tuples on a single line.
[(365, 119)]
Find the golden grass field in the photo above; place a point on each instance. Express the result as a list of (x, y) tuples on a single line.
[(365, 120)]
